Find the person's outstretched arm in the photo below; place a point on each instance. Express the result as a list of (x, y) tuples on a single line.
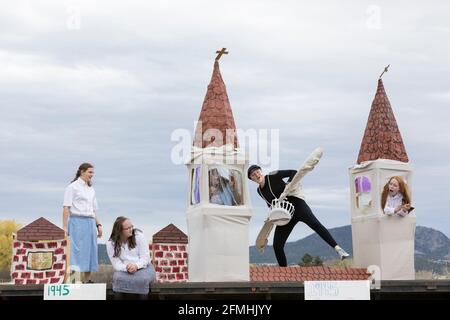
[(284, 174)]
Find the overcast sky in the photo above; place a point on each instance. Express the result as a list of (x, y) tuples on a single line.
[(109, 83)]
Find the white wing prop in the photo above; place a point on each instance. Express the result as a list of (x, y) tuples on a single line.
[(263, 235), (306, 167)]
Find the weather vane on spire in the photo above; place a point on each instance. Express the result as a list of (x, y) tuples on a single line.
[(385, 70), (220, 53)]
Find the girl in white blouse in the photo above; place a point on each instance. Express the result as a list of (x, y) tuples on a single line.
[(81, 223), (396, 199), (129, 253)]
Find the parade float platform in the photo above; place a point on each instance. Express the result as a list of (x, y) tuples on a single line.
[(389, 290)]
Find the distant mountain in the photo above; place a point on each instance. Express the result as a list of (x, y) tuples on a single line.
[(432, 248), (432, 244)]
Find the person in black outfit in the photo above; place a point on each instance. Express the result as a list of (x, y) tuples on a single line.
[(271, 187)]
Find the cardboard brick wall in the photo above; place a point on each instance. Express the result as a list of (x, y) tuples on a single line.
[(170, 262), (38, 262), (39, 254), (169, 254)]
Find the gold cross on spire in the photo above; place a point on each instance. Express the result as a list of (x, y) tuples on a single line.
[(385, 70), (220, 53)]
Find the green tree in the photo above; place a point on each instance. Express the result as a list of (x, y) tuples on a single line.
[(7, 228), (317, 261), (309, 261)]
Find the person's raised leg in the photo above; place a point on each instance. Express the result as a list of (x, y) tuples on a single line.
[(307, 216)]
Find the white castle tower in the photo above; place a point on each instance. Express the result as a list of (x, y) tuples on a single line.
[(378, 239), (219, 208)]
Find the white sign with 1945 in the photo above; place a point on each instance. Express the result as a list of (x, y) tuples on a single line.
[(92, 291)]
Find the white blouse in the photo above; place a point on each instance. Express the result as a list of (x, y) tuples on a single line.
[(393, 202), (139, 255), (80, 198)]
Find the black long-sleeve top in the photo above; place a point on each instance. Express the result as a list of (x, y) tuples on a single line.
[(274, 181)]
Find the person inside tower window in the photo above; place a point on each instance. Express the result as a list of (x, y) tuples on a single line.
[(129, 254), (225, 187), (396, 199), (272, 185), (236, 186)]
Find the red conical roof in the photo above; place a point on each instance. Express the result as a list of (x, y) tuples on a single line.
[(382, 139), (170, 234), (216, 116)]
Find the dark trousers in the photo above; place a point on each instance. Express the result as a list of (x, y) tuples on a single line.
[(304, 214)]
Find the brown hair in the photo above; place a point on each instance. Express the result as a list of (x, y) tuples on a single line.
[(403, 189), (82, 168), (116, 236)]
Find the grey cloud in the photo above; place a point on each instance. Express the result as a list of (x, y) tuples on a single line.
[(113, 92)]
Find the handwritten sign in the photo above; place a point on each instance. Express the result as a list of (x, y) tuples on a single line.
[(337, 290), (94, 291)]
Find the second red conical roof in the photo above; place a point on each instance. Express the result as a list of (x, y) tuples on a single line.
[(382, 138)]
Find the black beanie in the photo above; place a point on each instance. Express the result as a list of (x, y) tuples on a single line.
[(252, 168)]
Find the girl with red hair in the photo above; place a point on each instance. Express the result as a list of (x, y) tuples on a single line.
[(396, 199)]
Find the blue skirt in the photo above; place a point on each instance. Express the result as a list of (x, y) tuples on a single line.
[(83, 244), (137, 283)]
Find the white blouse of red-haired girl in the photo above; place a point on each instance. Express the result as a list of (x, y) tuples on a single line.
[(396, 198)]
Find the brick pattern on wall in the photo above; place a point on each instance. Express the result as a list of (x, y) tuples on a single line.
[(170, 261), (21, 275)]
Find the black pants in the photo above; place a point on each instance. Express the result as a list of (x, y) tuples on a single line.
[(302, 213)]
